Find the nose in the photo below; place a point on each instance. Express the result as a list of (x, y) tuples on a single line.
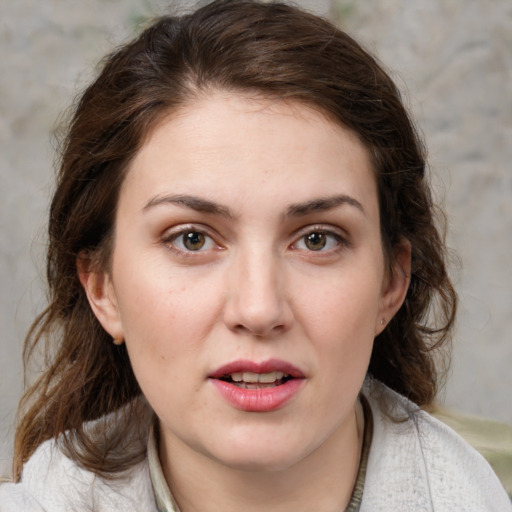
[(257, 302)]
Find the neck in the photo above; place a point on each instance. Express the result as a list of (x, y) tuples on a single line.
[(322, 481)]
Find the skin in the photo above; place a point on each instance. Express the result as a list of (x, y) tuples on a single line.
[(255, 290)]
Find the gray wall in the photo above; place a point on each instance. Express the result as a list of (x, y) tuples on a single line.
[(456, 60)]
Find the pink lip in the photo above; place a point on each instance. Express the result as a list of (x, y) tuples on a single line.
[(263, 399), (271, 365)]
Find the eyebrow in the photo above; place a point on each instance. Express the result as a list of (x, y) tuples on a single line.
[(322, 204), (192, 202), (295, 210)]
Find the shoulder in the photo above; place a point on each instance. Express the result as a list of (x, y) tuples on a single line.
[(52, 482), (491, 438), (420, 463)]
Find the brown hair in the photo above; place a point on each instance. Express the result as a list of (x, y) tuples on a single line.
[(271, 49)]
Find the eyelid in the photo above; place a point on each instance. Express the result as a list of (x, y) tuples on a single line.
[(170, 235), (339, 234)]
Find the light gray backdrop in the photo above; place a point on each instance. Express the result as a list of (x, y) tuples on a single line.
[(456, 59)]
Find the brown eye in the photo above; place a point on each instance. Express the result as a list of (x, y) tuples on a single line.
[(315, 241), (193, 240), (319, 240), (190, 241)]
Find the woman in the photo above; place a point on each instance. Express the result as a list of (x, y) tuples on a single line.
[(247, 285)]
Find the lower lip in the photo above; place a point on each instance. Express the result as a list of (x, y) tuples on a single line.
[(258, 400)]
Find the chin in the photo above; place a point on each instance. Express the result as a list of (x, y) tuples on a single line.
[(258, 465), (256, 458)]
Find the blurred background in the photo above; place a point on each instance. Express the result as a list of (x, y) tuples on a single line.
[(453, 61)]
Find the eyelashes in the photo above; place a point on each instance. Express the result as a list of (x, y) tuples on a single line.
[(194, 241), (319, 240), (190, 241)]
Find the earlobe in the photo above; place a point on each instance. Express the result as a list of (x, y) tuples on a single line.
[(395, 286), (100, 293)]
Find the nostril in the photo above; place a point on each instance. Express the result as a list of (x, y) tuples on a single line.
[(259, 332), (255, 331)]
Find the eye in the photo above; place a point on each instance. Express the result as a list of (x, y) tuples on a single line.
[(191, 241), (318, 240)]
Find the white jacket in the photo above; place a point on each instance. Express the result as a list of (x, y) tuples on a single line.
[(417, 465)]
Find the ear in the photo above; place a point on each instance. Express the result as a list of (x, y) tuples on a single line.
[(395, 286), (101, 296)]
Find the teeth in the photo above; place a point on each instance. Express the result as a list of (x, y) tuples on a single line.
[(270, 377), (250, 377), (257, 377)]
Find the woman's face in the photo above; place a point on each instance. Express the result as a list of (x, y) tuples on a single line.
[(248, 279)]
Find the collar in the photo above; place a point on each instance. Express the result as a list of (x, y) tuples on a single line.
[(163, 497)]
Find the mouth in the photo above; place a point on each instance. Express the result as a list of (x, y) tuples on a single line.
[(269, 373), (252, 380), (258, 387)]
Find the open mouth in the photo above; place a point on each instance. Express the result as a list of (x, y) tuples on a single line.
[(258, 386), (251, 380)]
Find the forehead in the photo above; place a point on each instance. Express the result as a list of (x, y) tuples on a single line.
[(235, 142)]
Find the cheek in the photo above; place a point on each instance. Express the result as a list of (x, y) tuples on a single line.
[(165, 331), (340, 317), (165, 313), (344, 302)]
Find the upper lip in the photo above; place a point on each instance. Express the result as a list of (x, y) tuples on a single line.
[(270, 365)]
